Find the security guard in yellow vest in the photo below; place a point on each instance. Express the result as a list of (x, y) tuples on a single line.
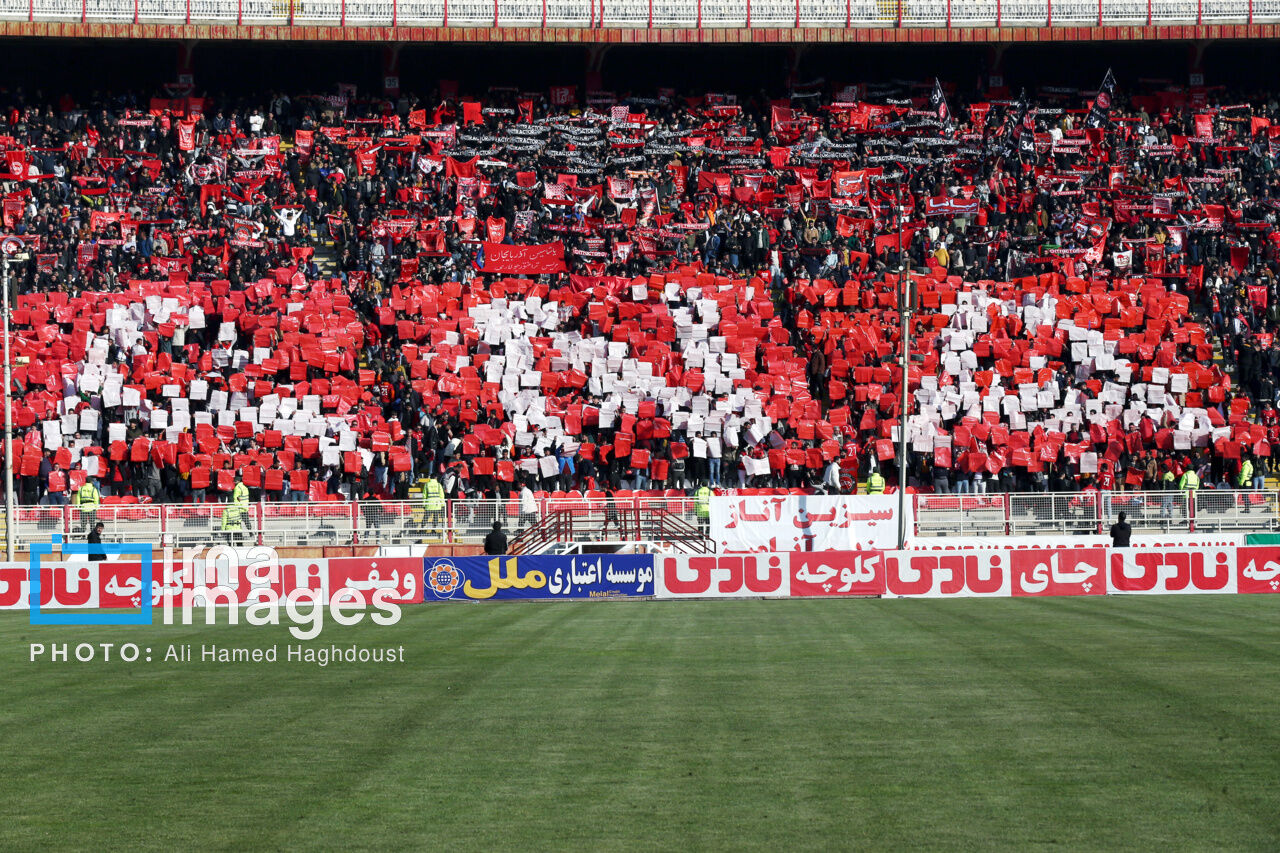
[(86, 499), (1246, 474), (433, 505), (875, 483), (1190, 480), (702, 504), (235, 518), (232, 523), (240, 494)]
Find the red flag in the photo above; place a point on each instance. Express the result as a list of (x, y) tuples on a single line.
[(304, 139), (367, 161), (460, 168), (781, 112)]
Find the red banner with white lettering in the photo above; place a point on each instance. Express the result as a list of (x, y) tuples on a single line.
[(524, 260)]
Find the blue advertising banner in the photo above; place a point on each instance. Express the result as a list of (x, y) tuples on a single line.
[(579, 576)]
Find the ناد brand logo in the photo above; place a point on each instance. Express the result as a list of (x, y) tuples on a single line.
[(211, 579)]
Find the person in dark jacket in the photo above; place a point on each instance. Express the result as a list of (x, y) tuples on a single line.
[(495, 544), (1120, 532), (95, 538)]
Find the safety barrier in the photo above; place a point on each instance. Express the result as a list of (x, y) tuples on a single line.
[(463, 522), (649, 14), (1088, 570), (1042, 513), (467, 522), (663, 523)]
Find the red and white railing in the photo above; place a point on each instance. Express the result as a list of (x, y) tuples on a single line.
[(463, 522), (466, 522), (650, 14), (1083, 513)]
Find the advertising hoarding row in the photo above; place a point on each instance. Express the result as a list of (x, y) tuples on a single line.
[(989, 572)]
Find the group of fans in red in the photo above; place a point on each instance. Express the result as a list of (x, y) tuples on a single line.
[(336, 296)]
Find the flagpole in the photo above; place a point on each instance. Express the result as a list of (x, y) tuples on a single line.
[(902, 429), (904, 311), (9, 511)]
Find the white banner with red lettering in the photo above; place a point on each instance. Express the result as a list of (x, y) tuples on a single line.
[(993, 573), (777, 524), (1160, 571), (798, 574), (1138, 540), (723, 576)]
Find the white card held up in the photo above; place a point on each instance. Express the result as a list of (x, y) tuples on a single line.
[(548, 466)]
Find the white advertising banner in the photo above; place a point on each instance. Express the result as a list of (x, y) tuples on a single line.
[(723, 576), (771, 524), (1165, 571), (1138, 540)]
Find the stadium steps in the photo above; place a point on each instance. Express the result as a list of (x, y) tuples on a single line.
[(578, 526), (326, 259)]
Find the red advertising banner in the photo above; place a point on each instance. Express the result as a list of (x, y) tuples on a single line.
[(401, 578), (1061, 571), (1259, 569), (822, 573)]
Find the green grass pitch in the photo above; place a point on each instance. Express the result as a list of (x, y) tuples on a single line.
[(1114, 723)]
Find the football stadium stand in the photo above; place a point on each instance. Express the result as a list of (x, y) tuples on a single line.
[(399, 320)]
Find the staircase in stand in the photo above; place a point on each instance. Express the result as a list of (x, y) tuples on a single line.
[(591, 525)]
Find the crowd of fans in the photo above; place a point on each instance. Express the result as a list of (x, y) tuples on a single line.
[(338, 297)]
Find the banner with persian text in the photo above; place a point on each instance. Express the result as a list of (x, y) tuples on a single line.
[(805, 523), (498, 578)]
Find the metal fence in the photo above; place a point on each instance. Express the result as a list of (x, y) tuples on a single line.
[(463, 522), (1044, 513), (648, 14), (467, 522)]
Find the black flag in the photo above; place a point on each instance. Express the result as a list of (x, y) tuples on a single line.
[(938, 103), (1100, 111), (1014, 118)]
